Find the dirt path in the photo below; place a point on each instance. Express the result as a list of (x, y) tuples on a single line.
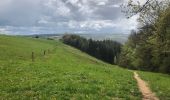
[(144, 89)]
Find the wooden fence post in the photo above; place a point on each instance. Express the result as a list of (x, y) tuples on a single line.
[(32, 56), (44, 52)]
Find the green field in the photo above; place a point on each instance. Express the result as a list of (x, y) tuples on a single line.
[(64, 73)]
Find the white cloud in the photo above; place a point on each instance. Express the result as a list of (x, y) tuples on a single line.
[(91, 24), (3, 31), (126, 25), (85, 10), (101, 3), (27, 16), (43, 20), (58, 7), (63, 10), (115, 6)]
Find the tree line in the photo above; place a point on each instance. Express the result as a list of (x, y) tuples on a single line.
[(149, 47), (106, 50)]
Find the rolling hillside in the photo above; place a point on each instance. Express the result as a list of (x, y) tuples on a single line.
[(63, 73)]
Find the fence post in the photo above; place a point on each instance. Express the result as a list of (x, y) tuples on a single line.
[(44, 52), (32, 56)]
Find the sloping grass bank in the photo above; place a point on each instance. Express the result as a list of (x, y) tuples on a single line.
[(66, 73)]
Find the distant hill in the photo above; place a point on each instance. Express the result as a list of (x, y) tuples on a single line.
[(122, 38)]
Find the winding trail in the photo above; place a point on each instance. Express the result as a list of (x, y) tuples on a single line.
[(144, 89)]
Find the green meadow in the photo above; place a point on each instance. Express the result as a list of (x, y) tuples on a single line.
[(63, 73)]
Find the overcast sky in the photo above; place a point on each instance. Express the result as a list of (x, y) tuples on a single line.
[(60, 16)]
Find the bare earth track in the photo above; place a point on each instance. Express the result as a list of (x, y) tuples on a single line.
[(144, 89)]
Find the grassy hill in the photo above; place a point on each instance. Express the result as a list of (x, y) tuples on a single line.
[(63, 73)]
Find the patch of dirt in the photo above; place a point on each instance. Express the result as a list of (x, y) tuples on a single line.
[(144, 89)]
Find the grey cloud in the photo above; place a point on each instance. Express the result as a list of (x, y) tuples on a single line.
[(55, 16), (20, 13), (109, 13)]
